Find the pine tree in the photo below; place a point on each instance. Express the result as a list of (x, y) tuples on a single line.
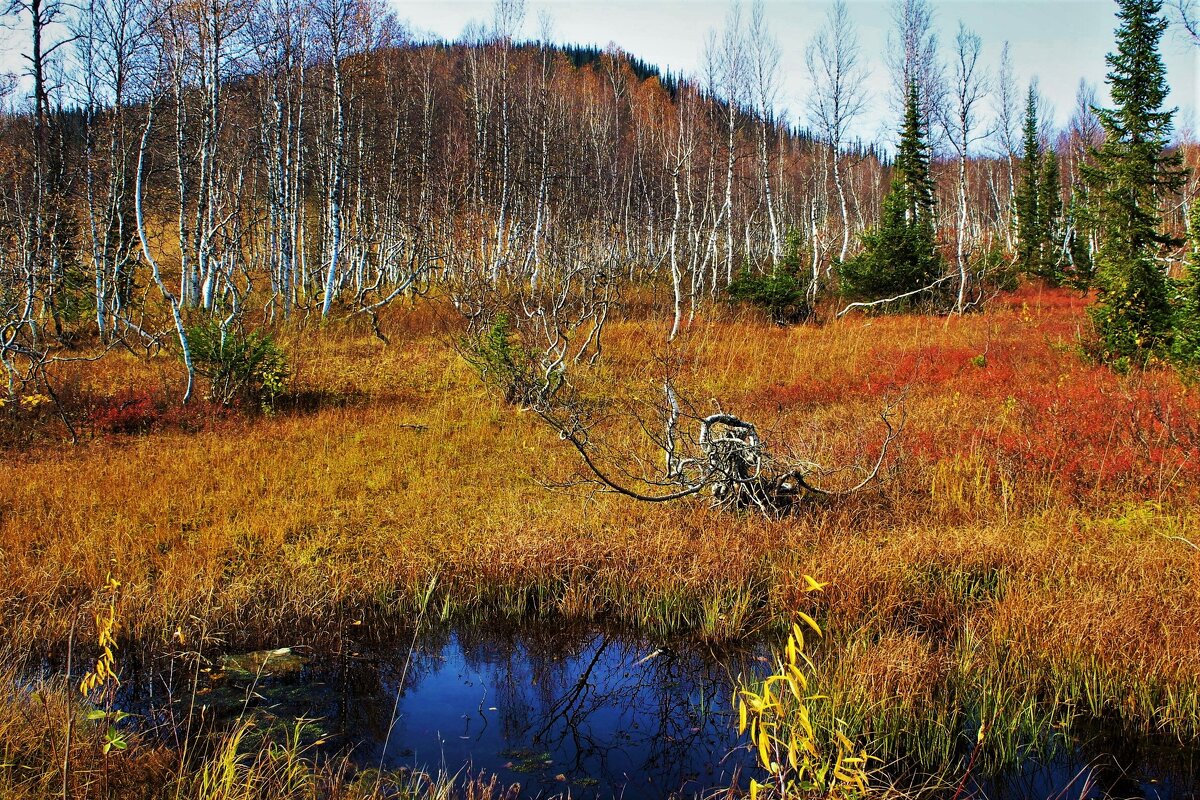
[(1026, 201), (1133, 171), (900, 255)]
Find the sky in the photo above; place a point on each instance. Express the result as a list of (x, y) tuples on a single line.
[(1056, 42)]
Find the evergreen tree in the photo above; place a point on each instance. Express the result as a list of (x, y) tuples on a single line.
[(1026, 201), (912, 162), (786, 292), (1079, 225), (1133, 171), (900, 255), (1049, 217)]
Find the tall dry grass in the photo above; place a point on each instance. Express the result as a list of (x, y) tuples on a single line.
[(1027, 558)]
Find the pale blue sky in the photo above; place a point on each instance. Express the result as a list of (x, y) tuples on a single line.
[(1057, 41)]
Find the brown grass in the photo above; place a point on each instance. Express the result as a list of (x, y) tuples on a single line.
[(1020, 552)]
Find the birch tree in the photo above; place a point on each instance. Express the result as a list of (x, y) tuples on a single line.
[(280, 37), (838, 95), (764, 65), (912, 57), (1007, 113), (960, 122)]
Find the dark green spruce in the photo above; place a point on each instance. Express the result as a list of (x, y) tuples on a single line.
[(900, 255), (1038, 204), (1050, 257), (1134, 171), (1026, 202)]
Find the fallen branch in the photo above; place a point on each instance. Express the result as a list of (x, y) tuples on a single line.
[(727, 457), (873, 303)]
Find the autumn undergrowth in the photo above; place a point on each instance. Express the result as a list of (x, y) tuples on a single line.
[(1029, 559)]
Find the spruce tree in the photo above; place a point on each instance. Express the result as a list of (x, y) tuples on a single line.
[(1079, 225), (900, 255), (1132, 173), (1026, 201), (912, 161), (1049, 217)]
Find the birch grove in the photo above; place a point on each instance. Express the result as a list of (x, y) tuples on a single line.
[(267, 159)]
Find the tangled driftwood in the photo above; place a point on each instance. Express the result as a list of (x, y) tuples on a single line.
[(728, 460)]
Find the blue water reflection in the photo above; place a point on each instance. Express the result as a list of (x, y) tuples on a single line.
[(597, 714), (601, 714)]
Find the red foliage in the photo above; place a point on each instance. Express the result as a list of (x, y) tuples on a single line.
[(130, 413), (141, 411), (1026, 405)]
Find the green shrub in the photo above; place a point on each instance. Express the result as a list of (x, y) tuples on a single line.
[(779, 292), (238, 366), (506, 365), (785, 293)]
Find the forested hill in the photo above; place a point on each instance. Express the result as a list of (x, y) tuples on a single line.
[(334, 169), (499, 158), (318, 157)]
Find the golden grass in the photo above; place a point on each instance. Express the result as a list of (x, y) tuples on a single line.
[(1019, 553)]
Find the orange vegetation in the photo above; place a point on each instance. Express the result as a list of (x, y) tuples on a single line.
[(1031, 545)]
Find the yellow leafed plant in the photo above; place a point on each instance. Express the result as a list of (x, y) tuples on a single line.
[(106, 628), (801, 758)]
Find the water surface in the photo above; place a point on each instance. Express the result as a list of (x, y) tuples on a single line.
[(602, 714)]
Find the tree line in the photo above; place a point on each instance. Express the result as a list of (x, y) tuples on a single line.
[(245, 160)]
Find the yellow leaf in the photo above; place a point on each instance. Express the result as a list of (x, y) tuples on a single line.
[(814, 585), (806, 724), (812, 623)]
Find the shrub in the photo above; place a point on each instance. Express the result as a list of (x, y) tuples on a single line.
[(785, 293), (801, 754), (238, 366), (992, 268), (505, 364), (779, 292), (133, 413)]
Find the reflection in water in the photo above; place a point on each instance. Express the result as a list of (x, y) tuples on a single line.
[(587, 711), (599, 715), (1103, 761)]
